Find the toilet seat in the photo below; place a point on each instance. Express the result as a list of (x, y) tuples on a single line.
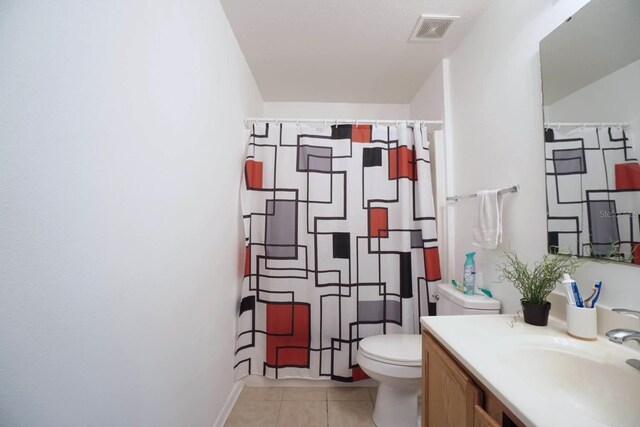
[(393, 349)]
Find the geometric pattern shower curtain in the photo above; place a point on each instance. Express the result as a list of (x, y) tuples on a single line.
[(593, 193), (340, 238)]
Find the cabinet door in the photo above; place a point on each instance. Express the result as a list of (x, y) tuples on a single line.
[(482, 419), (450, 394)]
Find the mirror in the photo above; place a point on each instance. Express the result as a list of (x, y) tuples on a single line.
[(591, 96)]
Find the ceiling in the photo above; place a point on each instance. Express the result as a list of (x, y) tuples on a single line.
[(343, 50), (601, 38)]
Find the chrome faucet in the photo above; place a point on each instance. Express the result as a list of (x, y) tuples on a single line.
[(621, 335)]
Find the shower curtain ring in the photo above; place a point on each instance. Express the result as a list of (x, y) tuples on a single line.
[(357, 122)]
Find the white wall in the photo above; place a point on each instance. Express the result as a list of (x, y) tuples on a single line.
[(428, 103), (120, 159), (613, 98), (497, 139), (335, 110)]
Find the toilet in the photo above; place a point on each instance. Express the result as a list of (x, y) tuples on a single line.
[(395, 361), (451, 302)]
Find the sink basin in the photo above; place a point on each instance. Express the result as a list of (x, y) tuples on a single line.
[(544, 376), (597, 383)]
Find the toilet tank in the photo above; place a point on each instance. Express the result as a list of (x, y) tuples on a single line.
[(453, 302)]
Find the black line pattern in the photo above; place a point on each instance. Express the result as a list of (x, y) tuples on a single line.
[(593, 194), (341, 243)]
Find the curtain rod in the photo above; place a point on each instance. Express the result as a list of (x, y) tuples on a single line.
[(587, 125), (341, 121), (512, 189)]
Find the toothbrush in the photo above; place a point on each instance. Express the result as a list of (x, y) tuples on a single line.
[(598, 285), (593, 294), (576, 294)]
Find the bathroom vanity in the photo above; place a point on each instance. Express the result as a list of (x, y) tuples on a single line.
[(497, 371), (452, 396)]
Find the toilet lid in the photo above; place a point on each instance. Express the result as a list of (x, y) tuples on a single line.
[(395, 349)]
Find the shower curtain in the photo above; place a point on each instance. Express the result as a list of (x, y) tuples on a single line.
[(340, 238), (593, 182)]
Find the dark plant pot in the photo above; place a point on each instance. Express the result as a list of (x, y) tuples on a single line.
[(536, 314)]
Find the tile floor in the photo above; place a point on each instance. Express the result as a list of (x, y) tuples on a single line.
[(303, 406)]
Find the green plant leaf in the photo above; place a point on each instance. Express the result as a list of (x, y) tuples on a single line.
[(537, 283)]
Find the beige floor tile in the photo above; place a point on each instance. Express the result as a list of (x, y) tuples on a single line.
[(304, 393), (254, 414), (348, 393), (350, 413), (303, 413), (260, 393), (374, 393)]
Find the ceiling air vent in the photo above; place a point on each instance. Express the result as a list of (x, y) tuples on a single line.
[(431, 27)]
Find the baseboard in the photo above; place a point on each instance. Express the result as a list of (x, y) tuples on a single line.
[(260, 381), (228, 404)]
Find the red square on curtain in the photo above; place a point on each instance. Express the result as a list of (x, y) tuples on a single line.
[(358, 374), (253, 174), (361, 133), (432, 264), (636, 253), (288, 329), (378, 222), (247, 260), (628, 176), (402, 163)]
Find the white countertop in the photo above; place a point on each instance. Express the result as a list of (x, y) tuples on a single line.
[(590, 385)]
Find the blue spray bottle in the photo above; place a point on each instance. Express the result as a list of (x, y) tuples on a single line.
[(470, 274)]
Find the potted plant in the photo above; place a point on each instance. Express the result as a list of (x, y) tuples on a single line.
[(536, 284)]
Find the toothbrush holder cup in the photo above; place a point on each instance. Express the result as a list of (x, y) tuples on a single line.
[(582, 323)]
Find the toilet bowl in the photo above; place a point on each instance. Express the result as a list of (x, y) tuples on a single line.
[(395, 361)]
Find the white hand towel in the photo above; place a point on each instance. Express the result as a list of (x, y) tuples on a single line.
[(487, 229)]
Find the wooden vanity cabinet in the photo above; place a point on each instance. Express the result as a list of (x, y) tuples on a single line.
[(482, 419), (452, 397)]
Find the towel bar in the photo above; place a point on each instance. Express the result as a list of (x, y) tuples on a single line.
[(512, 189)]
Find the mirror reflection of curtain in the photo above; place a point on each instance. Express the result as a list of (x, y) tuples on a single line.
[(340, 237), (593, 193)]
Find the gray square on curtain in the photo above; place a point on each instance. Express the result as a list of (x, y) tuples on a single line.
[(603, 226), (281, 223), (314, 159), (568, 162)]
